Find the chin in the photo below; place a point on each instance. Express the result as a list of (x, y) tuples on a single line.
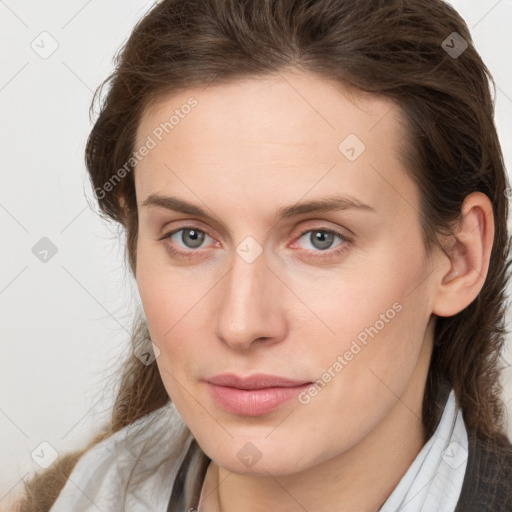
[(274, 467), (260, 457)]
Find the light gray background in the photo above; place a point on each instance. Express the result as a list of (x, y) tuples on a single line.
[(66, 322)]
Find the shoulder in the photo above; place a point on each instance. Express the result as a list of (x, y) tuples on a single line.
[(130, 470), (487, 483)]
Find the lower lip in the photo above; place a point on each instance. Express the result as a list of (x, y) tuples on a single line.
[(253, 402)]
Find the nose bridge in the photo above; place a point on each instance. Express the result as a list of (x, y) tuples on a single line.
[(248, 307)]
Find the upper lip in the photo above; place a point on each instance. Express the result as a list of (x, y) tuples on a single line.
[(258, 381)]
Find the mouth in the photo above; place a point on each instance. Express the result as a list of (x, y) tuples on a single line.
[(254, 395)]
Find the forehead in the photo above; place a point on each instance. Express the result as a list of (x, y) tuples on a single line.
[(280, 136), (290, 99)]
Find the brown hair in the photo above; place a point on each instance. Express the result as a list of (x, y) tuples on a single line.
[(392, 48)]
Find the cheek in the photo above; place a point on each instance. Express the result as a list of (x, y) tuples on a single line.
[(370, 360), (167, 324), (157, 302), (172, 306), (353, 299), (166, 296), (373, 316)]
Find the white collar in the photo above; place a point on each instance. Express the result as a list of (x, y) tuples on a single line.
[(434, 480), (131, 471), (134, 469)]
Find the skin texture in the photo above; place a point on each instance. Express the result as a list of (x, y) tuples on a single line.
[(247, 149)]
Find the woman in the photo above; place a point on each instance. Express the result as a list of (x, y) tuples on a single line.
[(328, 338)]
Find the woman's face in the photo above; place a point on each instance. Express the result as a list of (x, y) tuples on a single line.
[(241, 271)]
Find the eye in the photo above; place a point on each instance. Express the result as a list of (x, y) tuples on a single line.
[(320, 238), (323, 242), (187, 238)]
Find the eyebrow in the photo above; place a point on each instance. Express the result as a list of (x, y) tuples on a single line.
[(324, 205)]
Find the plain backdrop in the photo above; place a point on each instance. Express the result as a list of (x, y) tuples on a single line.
[(66, 305)]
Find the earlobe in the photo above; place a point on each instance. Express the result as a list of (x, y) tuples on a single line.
[(465, 262)]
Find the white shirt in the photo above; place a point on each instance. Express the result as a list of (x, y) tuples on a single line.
[(134, 470), (434, 479)]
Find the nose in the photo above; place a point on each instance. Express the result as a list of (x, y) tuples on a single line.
[(251, 306)]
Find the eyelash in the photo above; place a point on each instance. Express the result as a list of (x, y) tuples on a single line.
[(325, 254)]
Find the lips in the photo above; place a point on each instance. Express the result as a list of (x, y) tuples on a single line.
[(253, 395)]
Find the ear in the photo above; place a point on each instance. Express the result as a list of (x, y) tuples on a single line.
[(122, 202), (465, 262), (124, 210)]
